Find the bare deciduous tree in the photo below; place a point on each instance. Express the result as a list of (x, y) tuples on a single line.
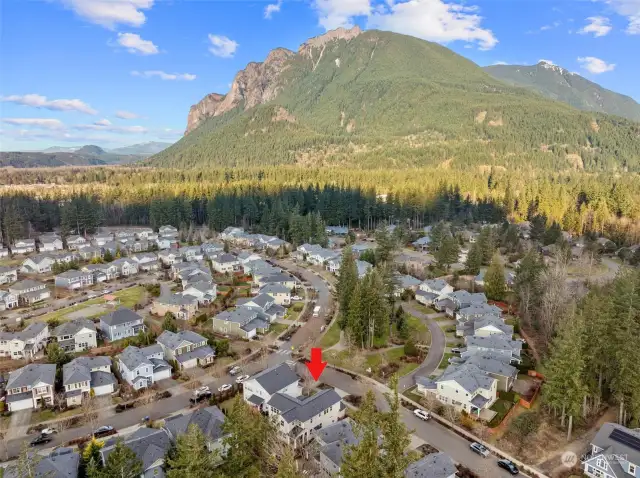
[(90, 412)]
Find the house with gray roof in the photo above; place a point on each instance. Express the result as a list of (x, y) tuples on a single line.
[(337, 230), (504, 373), (142, 367), (126, 267), (225, 264), (422, 243), (183, 307), (8, 275), (192, 253), (187, 348), (406, 282), (297, 416), (615, 452), (75, 242), (26, 343), (150, 446), (211, 247), (146, 261), (440, 287), (102, 272), (84, 374), (88, 253), (433, 465), (242, 322), (280, 378), (38, 264), (50, 243), (101, 238), (23, 246), (168, 231), (483, 325), (280, 293), (209, 420), (31, 386), (332, 441), (60, 463), (204, 291), (73, 280), (76, 335), (477, 310), (496, 344), (8, 300), (120, 324), (266, 306), (278, 278)]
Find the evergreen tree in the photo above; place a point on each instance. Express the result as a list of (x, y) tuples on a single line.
[(107, 257), (122, 462), (538, 228), (474, 259), (287, 465), (363, 459), (12, 223), (494, 282), (448, 252), (386, 244), (346, 284), (190, 458), (90, 460), (395, 437), (169, 323)]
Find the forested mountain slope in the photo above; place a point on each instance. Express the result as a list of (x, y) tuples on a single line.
[(559, 84), (380, 99)]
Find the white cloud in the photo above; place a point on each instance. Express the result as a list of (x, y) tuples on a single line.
[(126, 115), (599, 26), (434, 20), (222, 46), (629, 9), (99, 126), (39, 101), (340, 13), (500, 63), (163, 75), (35, 122), (103, 122), (110, 13), (272, 8), (134, 44), (595, 65)]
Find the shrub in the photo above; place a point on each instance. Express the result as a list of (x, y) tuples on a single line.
[(410, 349), (297, 307)]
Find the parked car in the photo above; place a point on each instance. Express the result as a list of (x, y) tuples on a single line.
[(480, 449), (40, 439), (456, 350), (296, 297), (234, 370), (48, 431), (200, 394), (242, 378), (225, 387), (104, 431), (421, 414), (509, 466)]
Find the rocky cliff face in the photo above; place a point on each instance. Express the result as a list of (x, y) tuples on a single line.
[(258, 82)]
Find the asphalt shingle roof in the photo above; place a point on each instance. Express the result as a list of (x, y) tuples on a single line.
[(209, 420), (276, 378), (32, 374), (173, 340), (120, 316), (291, 408), (434, 465), (149, 445), (73, 327)]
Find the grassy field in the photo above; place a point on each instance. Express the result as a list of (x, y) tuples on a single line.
[(128, 298), (360, 362), (277, 328), (419, 330), (424, 309), (331, 337), (46, 415)]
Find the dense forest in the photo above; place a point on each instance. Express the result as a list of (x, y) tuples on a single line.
[(260, 198)]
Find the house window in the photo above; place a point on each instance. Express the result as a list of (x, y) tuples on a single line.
[(632, 469), (601, 464)]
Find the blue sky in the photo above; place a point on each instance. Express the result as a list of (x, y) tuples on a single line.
[(118, 72)]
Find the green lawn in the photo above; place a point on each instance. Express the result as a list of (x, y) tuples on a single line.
[(445, 360), (277, 328), (128, 298), (46, 415), (332, 336), (502, 407), (419, 330), (424, 309), (373, 360)]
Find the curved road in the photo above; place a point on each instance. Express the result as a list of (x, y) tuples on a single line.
[(436, 349)]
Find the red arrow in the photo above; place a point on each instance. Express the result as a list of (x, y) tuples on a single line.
[(316, 366)]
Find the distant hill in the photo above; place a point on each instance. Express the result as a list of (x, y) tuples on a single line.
[(19, 159), (559, 84), (143, 149), (379, 99)]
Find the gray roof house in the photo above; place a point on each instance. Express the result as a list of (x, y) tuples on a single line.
[(615, 451), (496, 344), (121, 323), (266, 306), (262, 386), (504, 373), (26, 343), (142, 367), (209, 420), (8, 275), (332, 441), (76, 335), (60, 463), (84, 374), (31, 386), (187, 348), (466, 387), (74, 279), (150, 446), (434, 465), (242, 321), (478, 310)]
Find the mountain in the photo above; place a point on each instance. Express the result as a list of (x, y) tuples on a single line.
[(61, 149), (380, 99), (142, 149), (91, 150), (19, 159), (559, 84)]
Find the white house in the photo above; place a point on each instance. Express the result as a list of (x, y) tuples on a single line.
[(74, 280), (146, 261), (26, 343), (40, 264), (142, 367), (497, 345), (225, 264), (89, 252), (84, 374), (4, 252), (204, 291), (101, 272), (121, 323), (8, 275), (102, 238), (30, 387), (615, 452), (50, 244), (168, 231), (145, 233), (29, 291), (23, 246), (76, 335), (192, 253), (280, 278), (76, 242), (8, 300), (126, 267), (280, 293), (242, 322), (280, 378), (169, 256), (187, 348), (436, 286), (265, 305)]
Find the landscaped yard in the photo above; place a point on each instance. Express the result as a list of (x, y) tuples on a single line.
[(331, 337), (424, 309), (46, 415), (361, 361), (277, 328), (502, 407), (445, 360), (128, 298)]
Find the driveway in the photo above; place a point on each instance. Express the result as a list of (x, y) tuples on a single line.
[(436, 350)]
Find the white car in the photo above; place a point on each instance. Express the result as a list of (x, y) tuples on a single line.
[(296, 297), (225, 387), (48, 431), (234, 370), (421, 414), (204, 389), (242, 378)]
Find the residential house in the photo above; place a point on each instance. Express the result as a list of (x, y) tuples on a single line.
[(504, 373), (125, 267), (60, 463), (225, 264), (477, 310), (259, 266), (209, 248), (406, 282), (8, 274), (142, 367), (120, 324), (76, 335), (24, 344), (297, 417), (281, 278), (31, 386), (433, 465), (266, 306), (29, 291), (497, 345), (50, 244), (509, 278), (168, 231), (23, 246), (332, 440), (8, 300), (101, 272), (483, 326), (88, 253), (242, 322), (337, 230), (439, 287), (245, 257), (125, 234), (40, 264), (333, 266), (131, 245), (422, 244), (169, 257), (231, 233), (146, 261), (164, 243), (464, 387), (615, 452), (209, 420), (192, 253), (74, 280), (204, 291), (113, 247), (305, 250), (150, 446), (189, 272), (76, 242), (321, 256), (187, 348), (462, 299), (280, 293), (260, 388), (65, 257), (84, 374), (359, 249), (183, 307), (145, 233), (102, 238)]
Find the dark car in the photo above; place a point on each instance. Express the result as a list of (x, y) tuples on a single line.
[(104, 431), (509, 466), (40, 439)]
